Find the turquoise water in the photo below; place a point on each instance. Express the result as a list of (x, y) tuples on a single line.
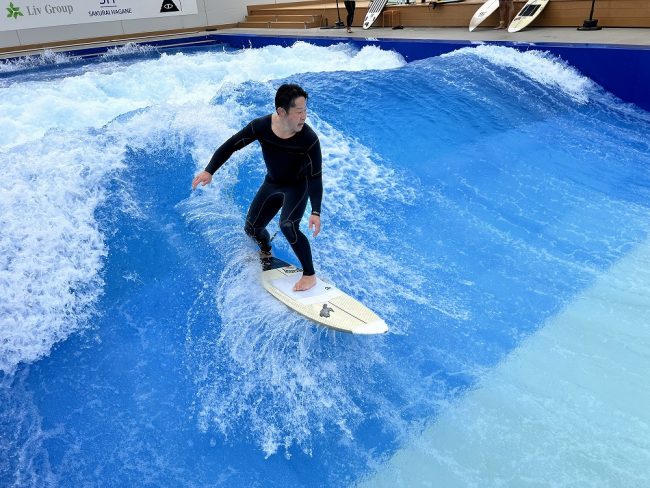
[(475, 199)]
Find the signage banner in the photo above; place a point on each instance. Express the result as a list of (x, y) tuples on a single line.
[(30, 14)]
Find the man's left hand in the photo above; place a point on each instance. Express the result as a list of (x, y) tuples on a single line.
[(314, 223)]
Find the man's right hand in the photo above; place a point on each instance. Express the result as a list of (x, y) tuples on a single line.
[(203, 178)]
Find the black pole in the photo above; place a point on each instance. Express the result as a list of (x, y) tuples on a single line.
[(339, 24), (591, 23), (591, 14)]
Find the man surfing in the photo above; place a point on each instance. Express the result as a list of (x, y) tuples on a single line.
[(293, 159)]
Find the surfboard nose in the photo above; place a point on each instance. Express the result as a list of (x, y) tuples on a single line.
[(376, 327)]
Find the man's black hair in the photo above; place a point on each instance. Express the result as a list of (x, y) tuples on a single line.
[(286, 95)]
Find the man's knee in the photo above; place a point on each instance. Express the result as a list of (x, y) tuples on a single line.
[(289, 230)]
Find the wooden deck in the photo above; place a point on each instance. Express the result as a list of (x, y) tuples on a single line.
[(558, 13)]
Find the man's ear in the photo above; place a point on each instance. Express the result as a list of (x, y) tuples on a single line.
[(280, 111)]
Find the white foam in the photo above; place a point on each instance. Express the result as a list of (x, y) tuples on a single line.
[(46, 58), (130, 48), (104, 91), (50, 248), (567, 408), (539, 66)]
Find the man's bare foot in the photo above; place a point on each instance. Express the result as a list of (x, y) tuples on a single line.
[(305, 283), (502, 25)]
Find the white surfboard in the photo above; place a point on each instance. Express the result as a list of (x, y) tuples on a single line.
[(324, 304), (527, 14), (375, 8), (484, 11)]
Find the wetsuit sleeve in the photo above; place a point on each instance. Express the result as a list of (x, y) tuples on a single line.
[(240, 140), (315, 179)]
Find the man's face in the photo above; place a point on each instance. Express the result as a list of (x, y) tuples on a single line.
[(295, 118)]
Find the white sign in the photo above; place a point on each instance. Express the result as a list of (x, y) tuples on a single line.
[(30, 14)]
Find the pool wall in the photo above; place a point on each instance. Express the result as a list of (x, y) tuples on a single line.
[(211, 13), (620, 69), (623, 70)]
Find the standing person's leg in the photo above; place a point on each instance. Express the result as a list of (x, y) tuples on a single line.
[(265, 205), (511, 11), (502, 14), (295, 202), (349, 6)]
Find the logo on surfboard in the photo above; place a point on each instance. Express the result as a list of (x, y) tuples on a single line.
[(325, 311)]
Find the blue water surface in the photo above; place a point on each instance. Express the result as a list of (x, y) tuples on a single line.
[(467, 200)]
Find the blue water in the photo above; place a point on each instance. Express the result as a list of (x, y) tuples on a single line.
[(469, 199)]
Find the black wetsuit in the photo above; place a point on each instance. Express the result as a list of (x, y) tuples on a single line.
[(293, 175)]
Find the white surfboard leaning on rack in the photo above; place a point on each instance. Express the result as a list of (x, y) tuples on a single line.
[(484, 11), (374, 9), (527, 14), (324, 304)]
